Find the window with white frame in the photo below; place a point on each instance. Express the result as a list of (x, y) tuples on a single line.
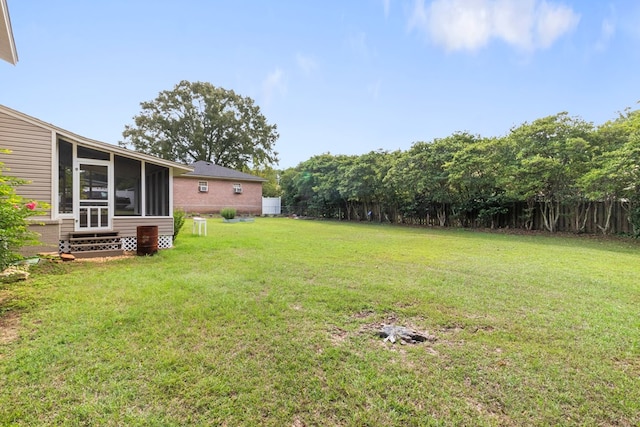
[(203, 186), (237, 188)]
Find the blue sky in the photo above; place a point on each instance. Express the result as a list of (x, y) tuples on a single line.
[(344, 77)]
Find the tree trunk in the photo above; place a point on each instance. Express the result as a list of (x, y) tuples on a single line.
[(581, 214), (441, 212), (529, 212), (550, 214), (608, 207)]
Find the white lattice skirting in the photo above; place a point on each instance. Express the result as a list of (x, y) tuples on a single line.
[(129, 244)]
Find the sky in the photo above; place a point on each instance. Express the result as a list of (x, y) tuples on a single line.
[(335, 76)]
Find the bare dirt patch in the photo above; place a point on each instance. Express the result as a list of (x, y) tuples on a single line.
[(9, 326), (106, 259), (338, 335), (9, 319)]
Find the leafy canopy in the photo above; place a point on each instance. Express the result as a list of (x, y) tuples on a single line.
[(198, 121)]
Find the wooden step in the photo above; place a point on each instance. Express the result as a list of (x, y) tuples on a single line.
[(95, 244), (98, 254), (87, 234)]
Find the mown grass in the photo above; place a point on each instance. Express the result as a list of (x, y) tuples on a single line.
[(274, 323)]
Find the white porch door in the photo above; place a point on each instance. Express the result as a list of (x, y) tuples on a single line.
[(94, 195)]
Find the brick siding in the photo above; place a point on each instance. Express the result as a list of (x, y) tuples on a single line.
[(220, 195)]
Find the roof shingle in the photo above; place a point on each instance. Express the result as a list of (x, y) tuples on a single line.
[(205, 169)]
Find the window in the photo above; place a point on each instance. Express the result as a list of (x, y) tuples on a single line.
[(203, 186), (128, 188), (65, 177), (90, 153), (237, 188)]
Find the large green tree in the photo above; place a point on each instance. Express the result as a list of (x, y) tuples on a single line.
[(476, 173), (615, 174), (552, 153), (198, 121)]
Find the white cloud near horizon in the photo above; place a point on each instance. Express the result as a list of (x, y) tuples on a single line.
[(472, 24)]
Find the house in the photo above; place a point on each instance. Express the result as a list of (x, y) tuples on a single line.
[(210, 188), (7, 45), (98, 193)]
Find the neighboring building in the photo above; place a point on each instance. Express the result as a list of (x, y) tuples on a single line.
[(210, 188), (7, 45), (97, 192)]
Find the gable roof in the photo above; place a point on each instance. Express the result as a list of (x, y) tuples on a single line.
[(7, 44), (178, 168), (203, 169)]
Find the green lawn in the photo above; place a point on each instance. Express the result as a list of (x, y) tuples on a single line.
[(274, 323)]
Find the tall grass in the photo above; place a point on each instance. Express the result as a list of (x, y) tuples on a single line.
[(274, 323)]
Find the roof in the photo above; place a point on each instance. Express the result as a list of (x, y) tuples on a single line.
[(7, 44), (178, 168), (203, 169)]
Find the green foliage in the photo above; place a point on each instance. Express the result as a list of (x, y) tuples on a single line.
[(198, 121), (179, 218), (270, 188), (552, 154), (557, 167), (228, 213), (14, 211)]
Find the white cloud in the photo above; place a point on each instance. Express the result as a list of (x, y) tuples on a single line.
[(552, 21), (358, 43), (374, 89), (606, 34), (387, 7), (274, 84), (607, 31), (472, 24), (306, 63)]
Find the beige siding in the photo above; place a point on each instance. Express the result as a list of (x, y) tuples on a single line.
[(30, 158), (127, 227), (67, 227), (49, 238)]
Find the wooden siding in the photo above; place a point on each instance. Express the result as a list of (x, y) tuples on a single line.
[(127, 227), (49, 238), (30, 158), (66, 227)]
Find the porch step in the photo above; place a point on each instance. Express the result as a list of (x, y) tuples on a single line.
[(95, 244), (97, 254)]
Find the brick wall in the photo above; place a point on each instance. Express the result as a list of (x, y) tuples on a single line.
[(220, 195)]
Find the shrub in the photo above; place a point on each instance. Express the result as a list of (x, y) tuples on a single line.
[(14, 211), (228, 213), (179, 217)]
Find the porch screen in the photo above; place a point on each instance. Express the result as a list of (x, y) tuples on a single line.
[(128, 186), (157, 190), (65, 177)]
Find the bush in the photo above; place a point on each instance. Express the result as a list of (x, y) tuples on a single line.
[(179, 217), (14, 211), (228, 213)]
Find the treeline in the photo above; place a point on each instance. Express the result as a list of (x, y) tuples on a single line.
[(558, 173)]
